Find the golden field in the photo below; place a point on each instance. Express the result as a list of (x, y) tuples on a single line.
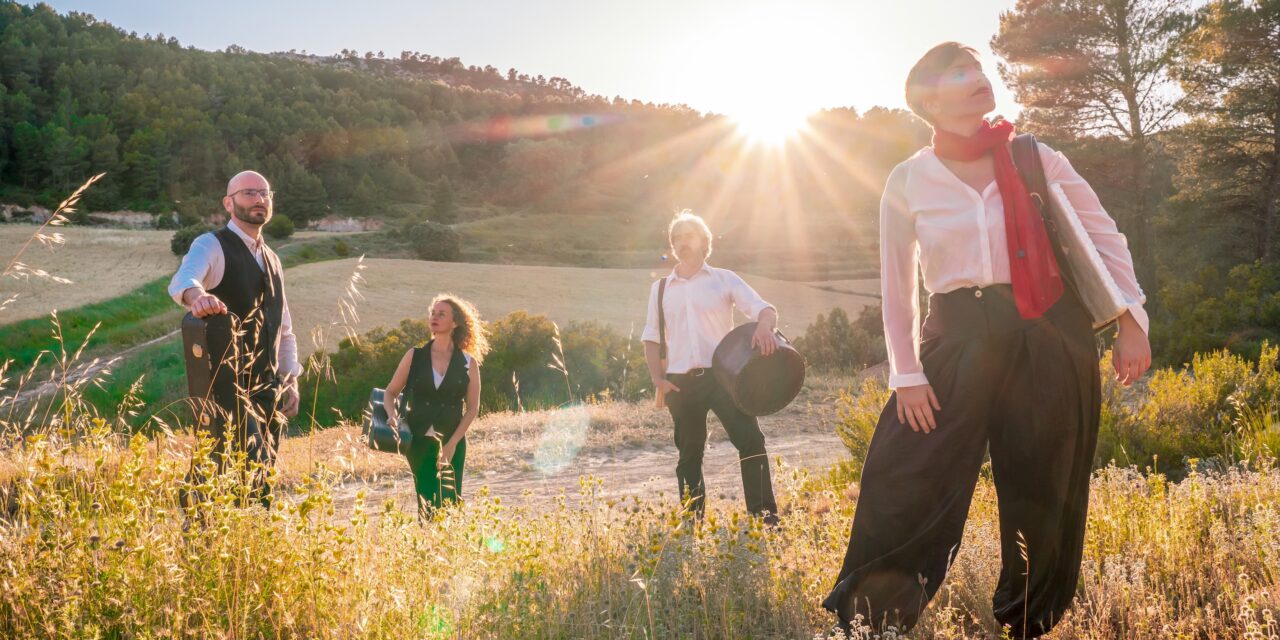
[(101, 264), (398, 289)]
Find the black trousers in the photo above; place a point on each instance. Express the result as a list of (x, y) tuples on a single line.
[(1027, 390), (255, 427), (700, 393)]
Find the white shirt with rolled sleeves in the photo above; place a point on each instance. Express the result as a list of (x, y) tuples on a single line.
[(932, 222), (699, 313), (203, 267)]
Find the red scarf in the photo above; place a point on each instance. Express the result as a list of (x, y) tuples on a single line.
[(1037, 283)]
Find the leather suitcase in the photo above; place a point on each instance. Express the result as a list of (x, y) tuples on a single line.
[(205, 343)]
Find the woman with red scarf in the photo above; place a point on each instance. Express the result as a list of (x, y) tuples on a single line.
[(1006, 361)]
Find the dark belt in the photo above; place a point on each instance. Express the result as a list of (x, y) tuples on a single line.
[(694, 373)]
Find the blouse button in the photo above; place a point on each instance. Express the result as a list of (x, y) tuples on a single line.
[(977, 293)]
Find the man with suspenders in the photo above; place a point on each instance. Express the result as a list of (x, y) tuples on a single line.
[(690, 311)]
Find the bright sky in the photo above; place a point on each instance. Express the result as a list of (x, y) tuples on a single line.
[(727, 56)]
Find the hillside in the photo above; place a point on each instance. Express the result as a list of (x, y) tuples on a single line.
[(402, 139)]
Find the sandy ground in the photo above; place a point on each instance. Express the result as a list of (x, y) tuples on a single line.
[(536, 457), (644, 471)]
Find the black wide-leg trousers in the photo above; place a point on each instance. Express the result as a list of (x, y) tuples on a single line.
[(1027, 390)]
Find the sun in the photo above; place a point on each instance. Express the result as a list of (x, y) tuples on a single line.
[(770, 124)]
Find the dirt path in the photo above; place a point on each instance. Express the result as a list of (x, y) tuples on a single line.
[(646, 471)]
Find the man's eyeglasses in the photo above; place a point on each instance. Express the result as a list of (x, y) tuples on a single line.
[(266, 194)]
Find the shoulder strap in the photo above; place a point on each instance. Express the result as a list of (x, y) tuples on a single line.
[(1026, 157), (662, 320)]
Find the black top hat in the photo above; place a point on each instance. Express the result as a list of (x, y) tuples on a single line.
[(759, 385)]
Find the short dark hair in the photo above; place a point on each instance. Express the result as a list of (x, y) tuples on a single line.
[(924, 76)]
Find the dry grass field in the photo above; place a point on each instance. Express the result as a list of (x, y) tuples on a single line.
[(101, 264), (397, 289)]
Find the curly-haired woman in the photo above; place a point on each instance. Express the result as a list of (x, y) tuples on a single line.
[(441, 377)]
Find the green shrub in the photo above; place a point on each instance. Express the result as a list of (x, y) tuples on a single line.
[(180, 244), (524, 369), (1222, 407), (358, 366), (279, 228), (834, 344), (341, 248), (1239, 312), (856, 418), (433, 241)]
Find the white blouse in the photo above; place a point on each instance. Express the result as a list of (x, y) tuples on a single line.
[(932, 221)]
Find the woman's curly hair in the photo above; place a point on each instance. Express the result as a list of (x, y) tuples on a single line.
[(470, 334)]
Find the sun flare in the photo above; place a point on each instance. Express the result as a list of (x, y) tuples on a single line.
[(770, 124)]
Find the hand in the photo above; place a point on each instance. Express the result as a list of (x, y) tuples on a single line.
[(289, 401), (1131, 354), (665, 386), (916, 406), (764, 338), (206, 305), (446, 454)]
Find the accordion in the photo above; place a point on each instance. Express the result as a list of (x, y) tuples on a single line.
[(1078, 258), (1098, 291)]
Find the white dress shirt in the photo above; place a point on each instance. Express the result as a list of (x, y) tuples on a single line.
[(699, 312), (202, 268), (931, 221)]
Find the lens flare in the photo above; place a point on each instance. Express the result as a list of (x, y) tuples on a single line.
[(563, 435)]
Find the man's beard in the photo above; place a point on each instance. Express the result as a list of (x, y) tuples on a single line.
[(246, 214)]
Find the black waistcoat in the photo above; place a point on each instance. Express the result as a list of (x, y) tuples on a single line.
[(431, 407), (256, 298)]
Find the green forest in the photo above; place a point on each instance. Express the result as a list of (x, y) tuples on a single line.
[(1172, 112)]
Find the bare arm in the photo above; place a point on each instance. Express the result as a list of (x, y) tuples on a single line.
[(656, 375), (763, 338), (473, 408), (395, 386)]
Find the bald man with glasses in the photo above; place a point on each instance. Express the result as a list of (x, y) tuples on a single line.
[(232, 270)]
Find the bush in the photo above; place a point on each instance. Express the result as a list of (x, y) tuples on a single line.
[(433, 241), (361, 365), (190, 213), (279, 228), (518, 371), (523, 369), (341, 249), (1221, 410), (834, 344), (1196, 319), (180, 244), (1221, 407), (856, 418)]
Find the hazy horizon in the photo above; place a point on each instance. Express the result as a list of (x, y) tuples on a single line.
[(706, 54)]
